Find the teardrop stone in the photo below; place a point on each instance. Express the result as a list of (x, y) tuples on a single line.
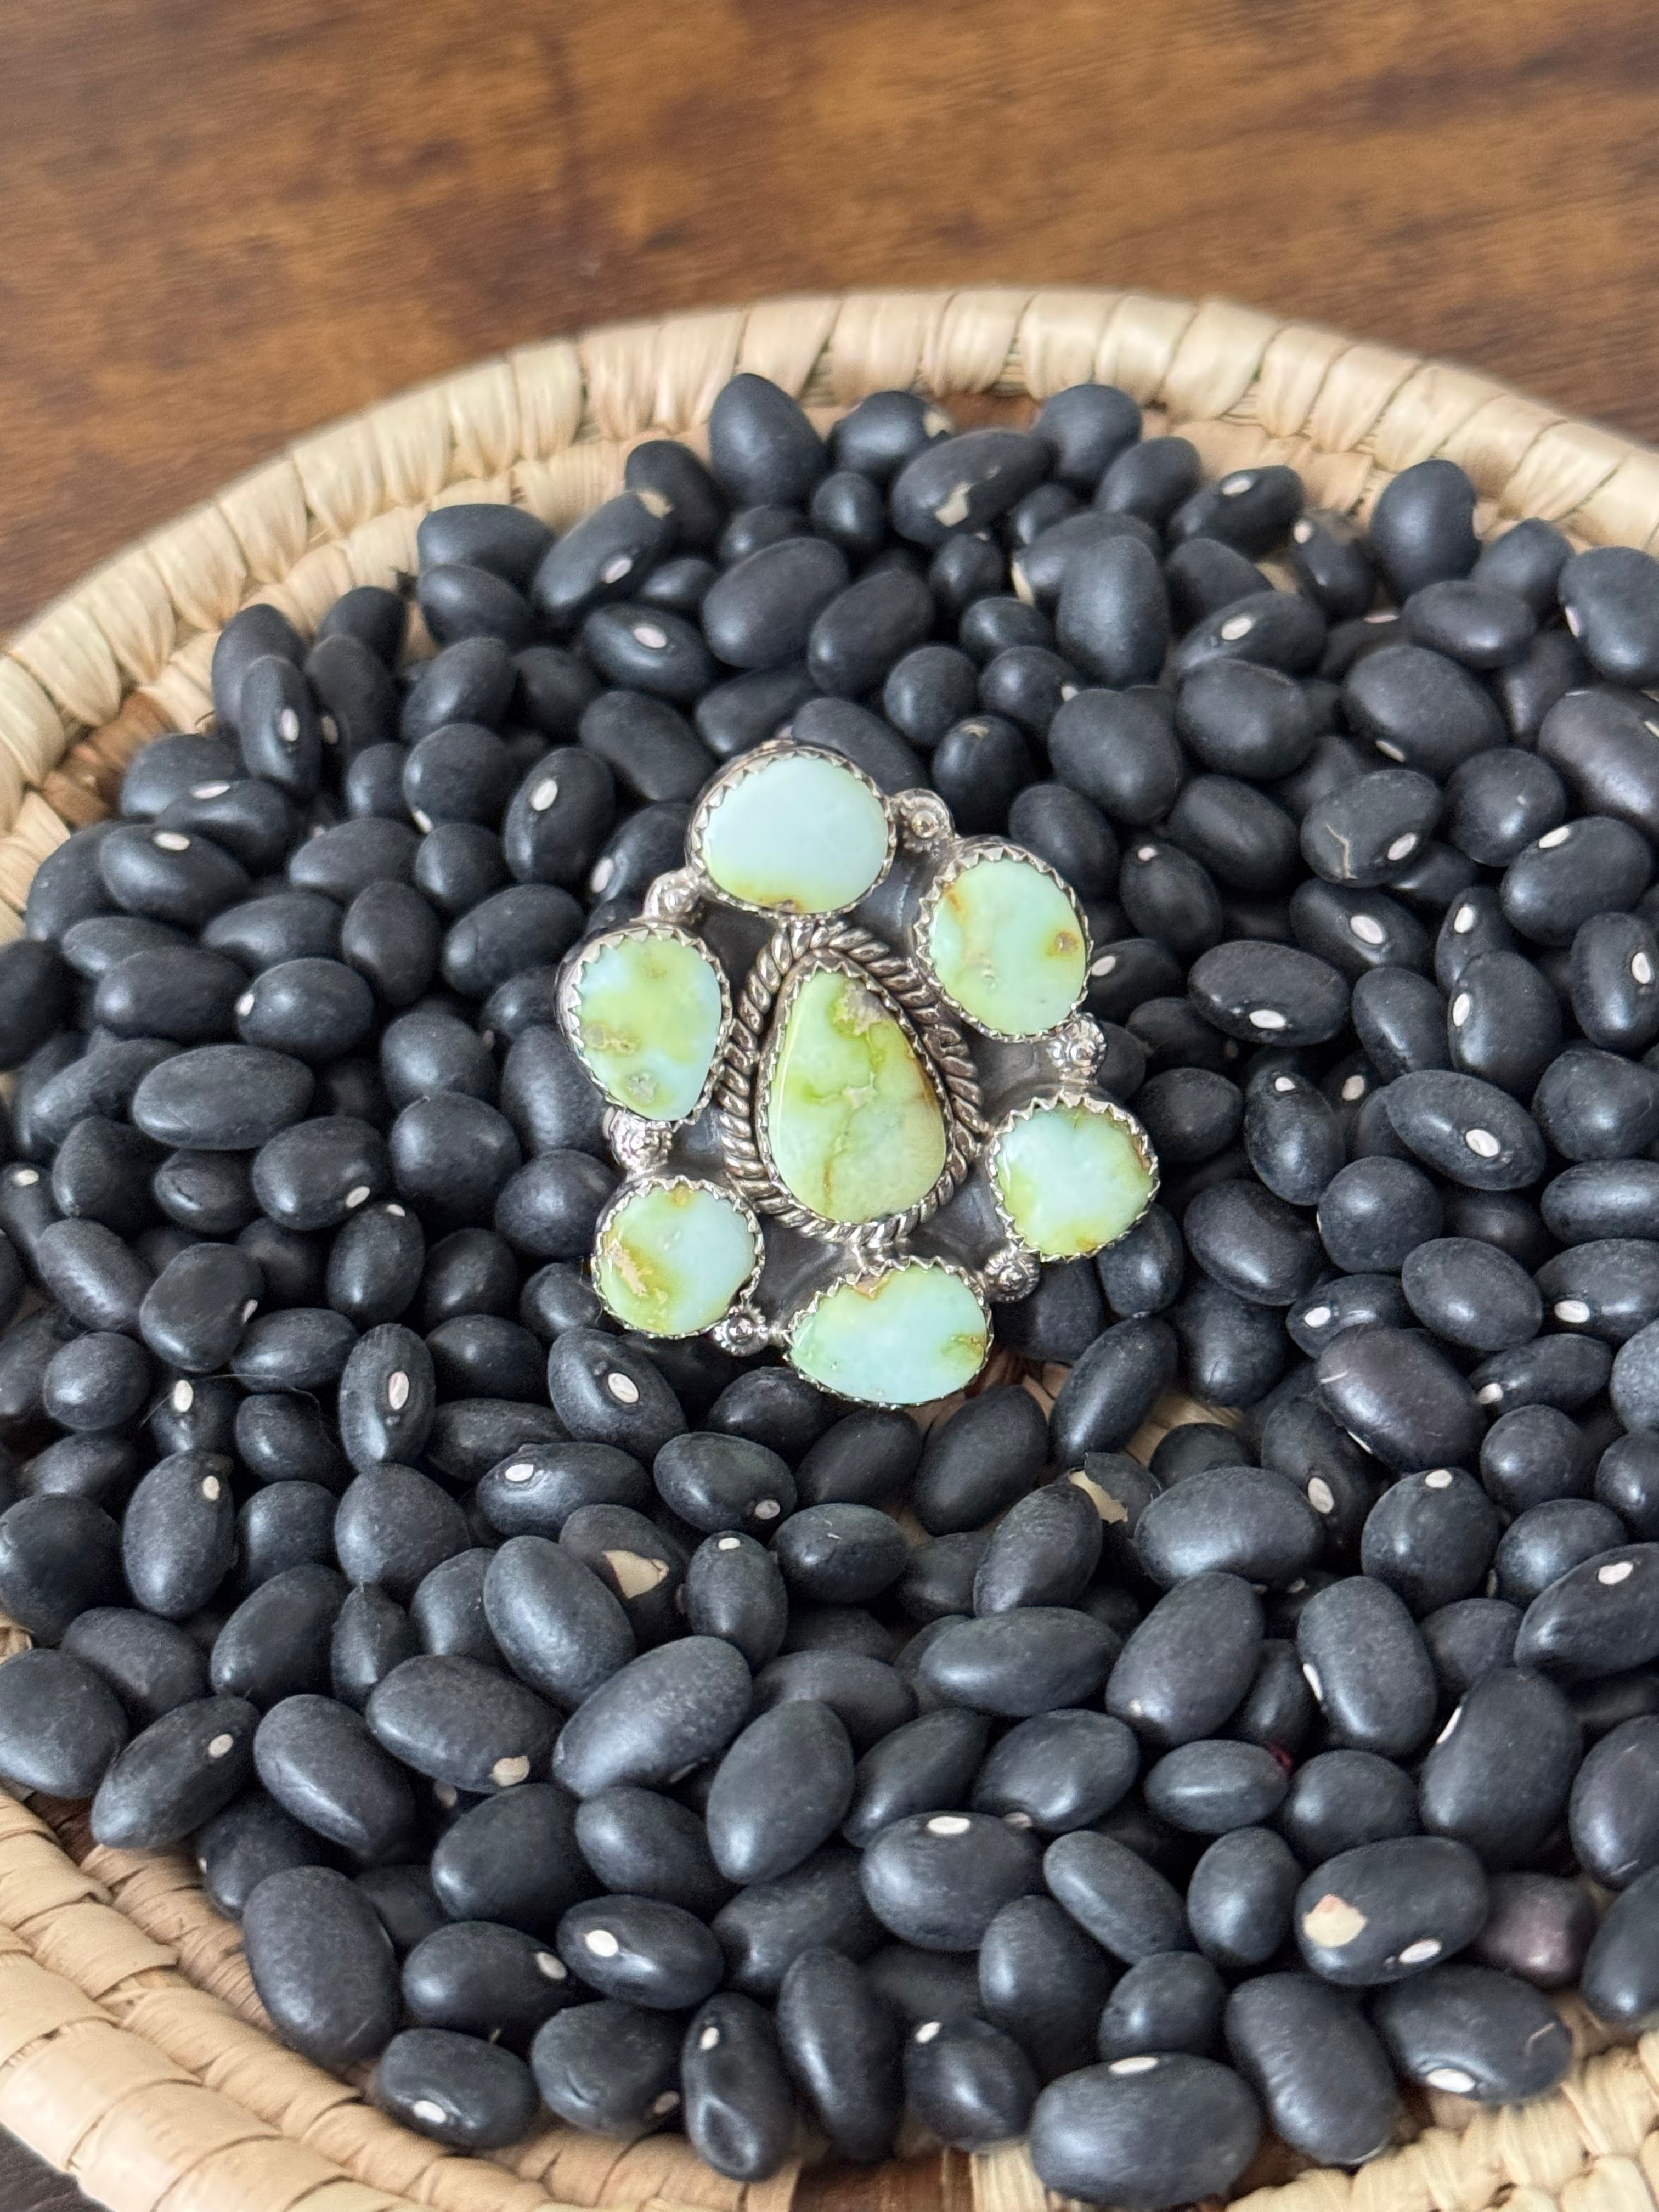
[(851, 1115), (671, 1256), (798, 834), (914, 1333), (1072, 1179), (1008, 945), (648, 1019)]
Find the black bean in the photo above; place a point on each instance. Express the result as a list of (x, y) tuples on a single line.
[(276, 1643), (1277, 1708), (151, 1665), (609, 2066), (964, 481), (469, 2094), (1620, 1979), (179, 1534), (1323, 2076), (254, 630), (1203, 575), (1593, 1106), (1019, 1663), (870, 1697), (1627, 1479), (1593, 865), (67, 887), (60, 1725), (175, 1774), (394, 1526), (98, 1381), (460, 1723), (1469, 1639), (322, 1964), (1044, 1552), (664, 1713), (1367, 1666), (280, 926), (1613, 978), (250, 1840), (1238, 1901), (1399, 1398), (751, 528), (505, 540), (1339, 1799), (1555, 1371), (1598, 1618), (1475, 2033), (1144, 2130), (716, 1483), (513, 1858), (1055, 1771), (1184, 1669), (841, 2046), (1214, 1786), (1609, 1286), (355, 693), (1228, 1520), (1431, 1537), (1472, 1294), (1609, 596), (1110, 1390), (770, 1924), (1476, 622), (1328, 556), (1499, 1772), (557, 1626), (286, 1524), (1540, 1928), (321, 1765), (1421, 709), (1385, 1911)]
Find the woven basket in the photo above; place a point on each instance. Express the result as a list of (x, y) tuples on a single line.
[(133, 2052)]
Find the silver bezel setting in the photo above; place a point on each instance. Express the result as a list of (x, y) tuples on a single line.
[(789, 1326), (738, 772), (985, 1080), (969, 852), (636, 1185), (793, 952), (569, 1008), (1069, 1095)]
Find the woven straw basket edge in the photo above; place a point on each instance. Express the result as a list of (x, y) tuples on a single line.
[(132, 2049)]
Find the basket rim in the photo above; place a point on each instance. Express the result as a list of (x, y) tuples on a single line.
[(127, 2051)]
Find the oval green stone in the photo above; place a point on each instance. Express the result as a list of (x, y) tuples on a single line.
[(852, 1118), (800, 834), (1005, 943), (904, 1338), (648, 1017), (1070, 1180), (672, 1258)]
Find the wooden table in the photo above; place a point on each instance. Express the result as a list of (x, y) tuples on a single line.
[(221, 226)]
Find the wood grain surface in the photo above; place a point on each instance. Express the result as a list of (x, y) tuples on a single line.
[(219, 226)]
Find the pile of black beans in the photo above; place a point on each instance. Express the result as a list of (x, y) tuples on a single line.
[(569, 1718)]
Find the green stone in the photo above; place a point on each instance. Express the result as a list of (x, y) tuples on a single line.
[(1071, 1179), (798, 834), (648, 1017), (672, 1256), (851, 1116), (915, 1333), (1007, 946)]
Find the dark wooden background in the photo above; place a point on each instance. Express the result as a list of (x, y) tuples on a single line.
[(221, 225)]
